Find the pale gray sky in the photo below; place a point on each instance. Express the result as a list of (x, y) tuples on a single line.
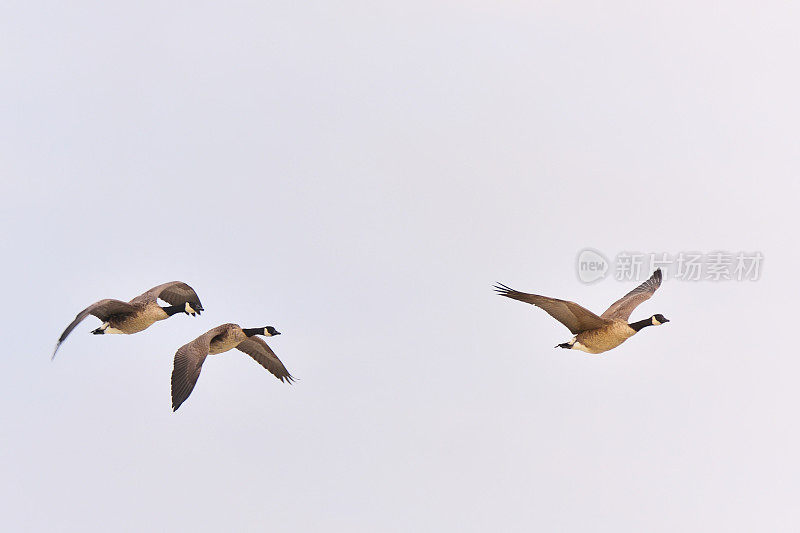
[(358, 175)]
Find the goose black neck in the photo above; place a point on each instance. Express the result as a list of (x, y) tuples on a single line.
[(174, 309), (641, 324), (253, 331)]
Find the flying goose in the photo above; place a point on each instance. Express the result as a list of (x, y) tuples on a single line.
[(595, 334), (189, 357), (141, 312)]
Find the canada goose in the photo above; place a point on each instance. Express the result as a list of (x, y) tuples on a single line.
[(141, 312), (595, 334), (189, 357)]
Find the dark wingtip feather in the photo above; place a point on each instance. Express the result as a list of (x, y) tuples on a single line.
[(288, 378), (655, 279), (178, 390), (177, 401), (503, 290)]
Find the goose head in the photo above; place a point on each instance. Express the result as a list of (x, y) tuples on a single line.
[(269, 331), (658, 319)]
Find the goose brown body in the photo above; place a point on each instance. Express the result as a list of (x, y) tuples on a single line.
[(602, 339), (231, 336), (145, 316)]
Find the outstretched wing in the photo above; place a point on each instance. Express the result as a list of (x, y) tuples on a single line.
[(102, 310), (623, 307), (188, 363), (174, 293), (572, 315), (264, 356)]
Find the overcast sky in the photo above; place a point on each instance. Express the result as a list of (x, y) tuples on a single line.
[(358, 175)]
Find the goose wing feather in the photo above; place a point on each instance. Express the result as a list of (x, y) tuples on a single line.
[(264, 356), (174, 293), (622, 308), (572, 315), (104, 309), (187, 365)]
